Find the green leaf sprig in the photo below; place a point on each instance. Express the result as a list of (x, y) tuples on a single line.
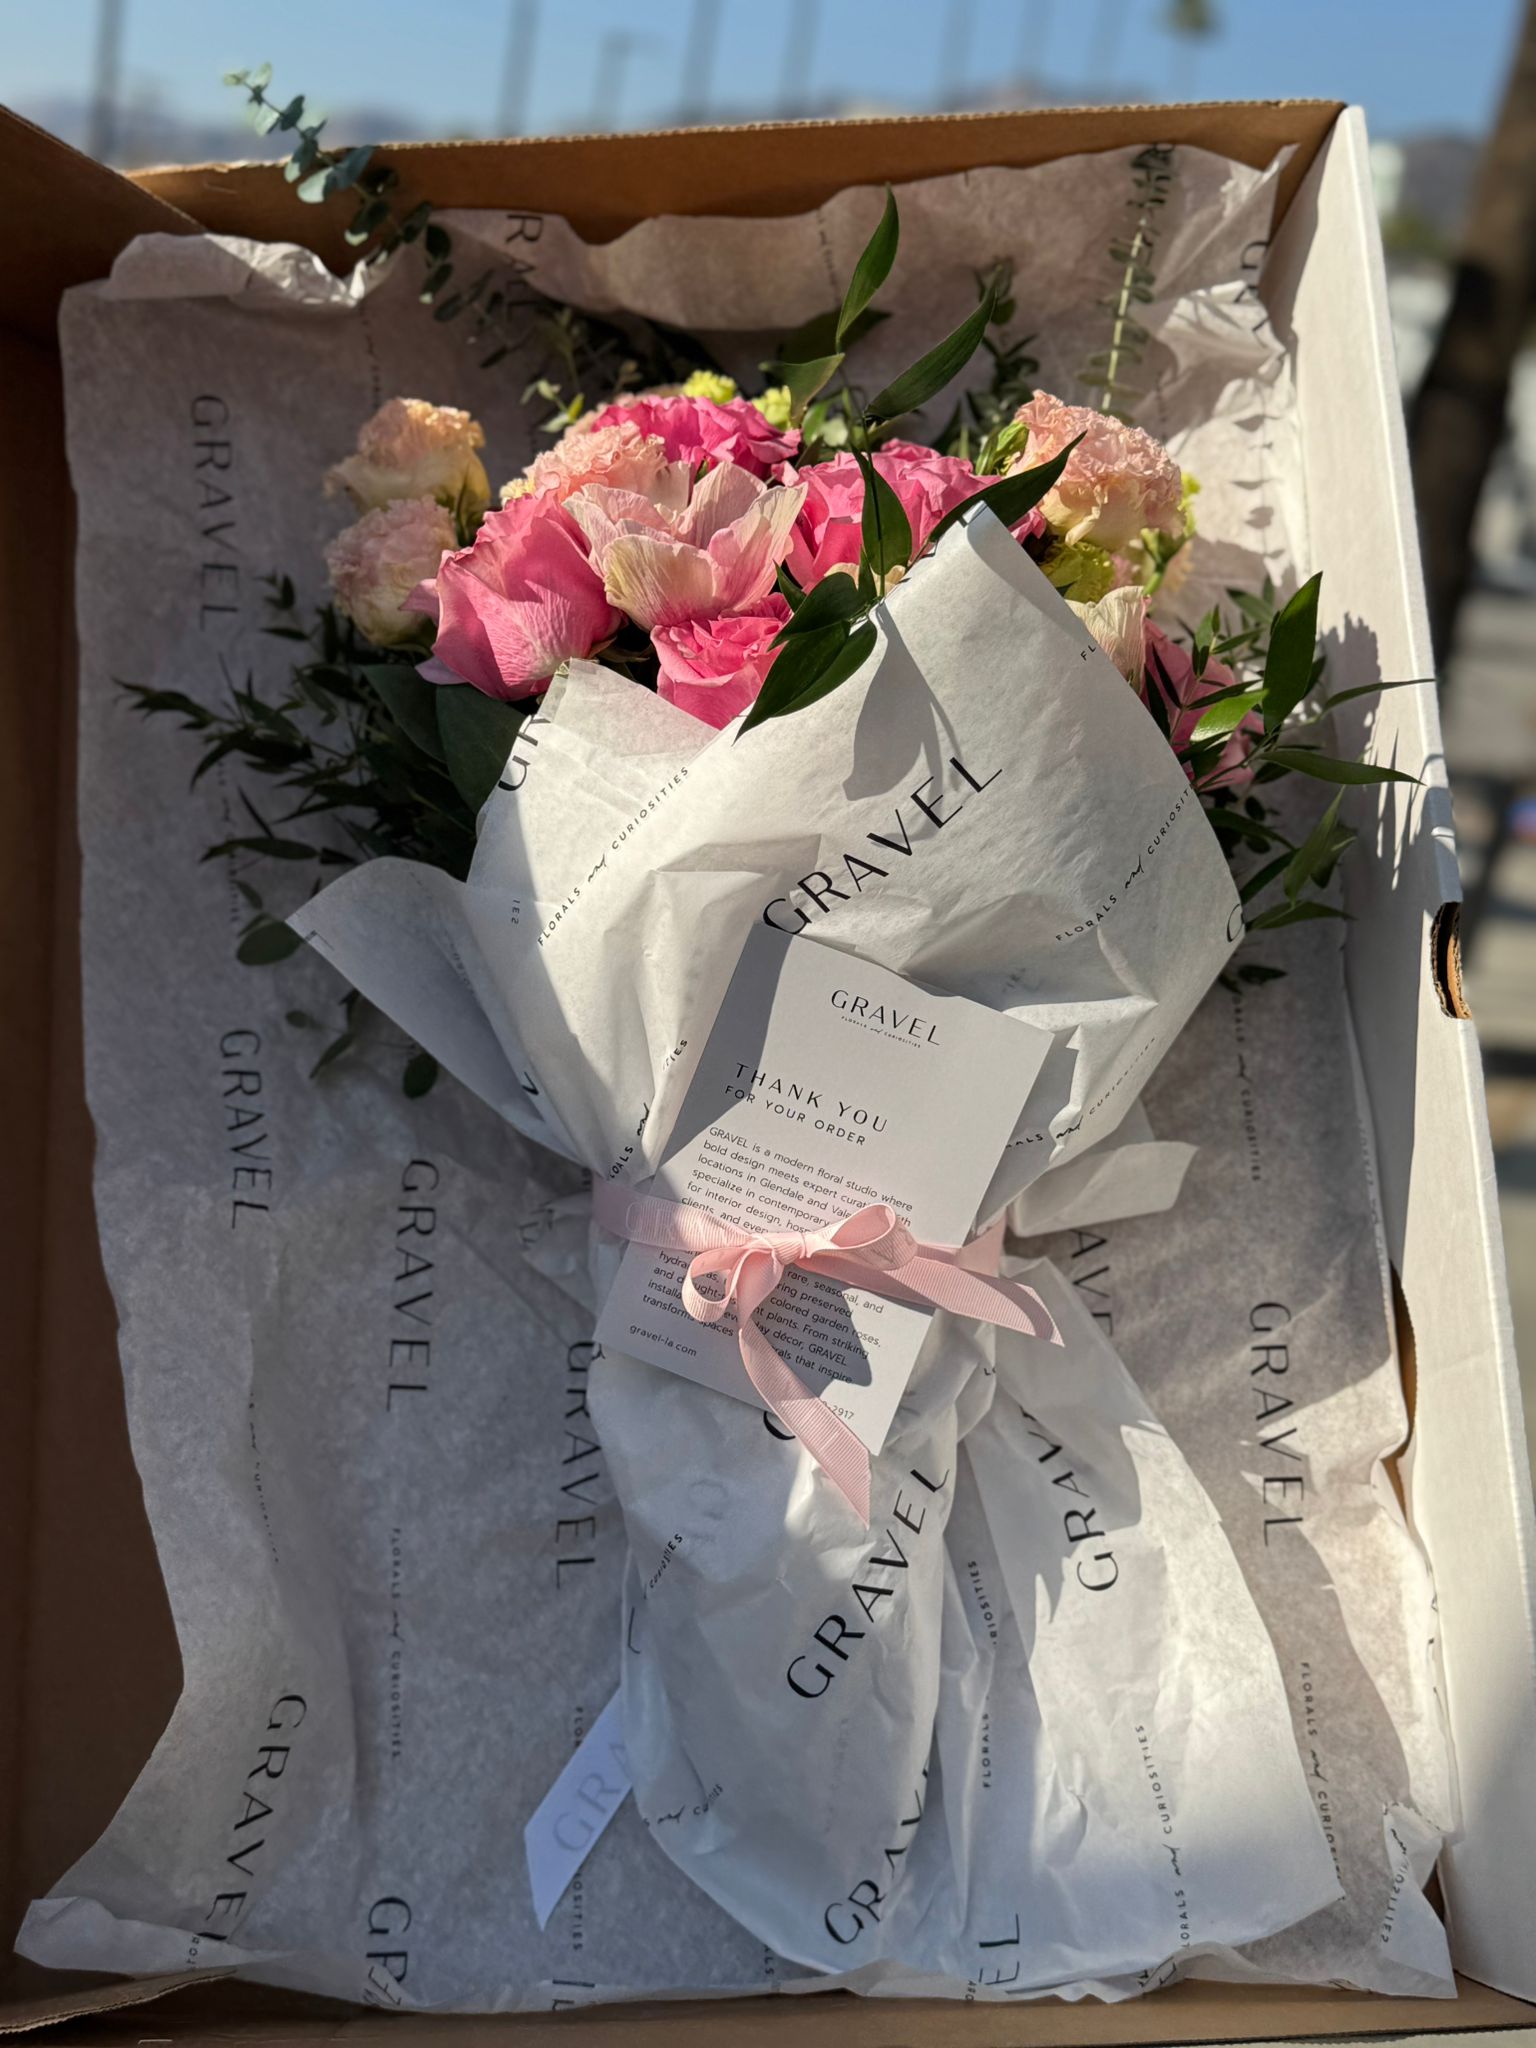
[(830, 634)]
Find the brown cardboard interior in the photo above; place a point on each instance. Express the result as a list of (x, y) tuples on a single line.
[(89, 1662)]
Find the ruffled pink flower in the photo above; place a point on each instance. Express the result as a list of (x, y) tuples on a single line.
[(621, 455), (1170, 670), (827, 533), (692, 430), (375, 565), (513, 606), (713, 668), (718, 554), (1117, 481)]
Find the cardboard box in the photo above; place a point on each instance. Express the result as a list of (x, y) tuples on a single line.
[(86, 1647)]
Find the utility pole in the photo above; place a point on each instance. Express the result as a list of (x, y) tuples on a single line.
[(1457, 420), (613, 55), (517, 67), (699, 60), (102, 136), (955, 57), (1034, 35), (804, 19)]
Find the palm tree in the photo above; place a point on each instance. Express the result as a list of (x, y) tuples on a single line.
[(1457, 420)]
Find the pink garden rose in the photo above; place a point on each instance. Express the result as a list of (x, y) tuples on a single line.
[(375, 565), (513, 606), (694, 430), (1170, 669), (827, 532), (1117, 481), (717, 554), (620, 455), (713, 668)]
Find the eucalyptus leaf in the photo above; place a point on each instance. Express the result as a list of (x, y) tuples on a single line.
[(1011, 497), (1317, 854), (421, 1072), (930, 373), (809, 667), (885, 532), (477, 734), (267, 943), (804, 380), (343, 1042), (1326, 769), (1292, 647), (1294, 913), (411, 702), (1260, 880), (1226, 715), (818, 335), (833, 600), (871, 270)]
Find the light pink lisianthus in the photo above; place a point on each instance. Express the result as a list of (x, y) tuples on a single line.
[(718, 554), (694, 430), (827, 533), (1117, 481), (376, 564), (1170, 670), (411, 448), (713, 668), (621, 455), (518, 602)]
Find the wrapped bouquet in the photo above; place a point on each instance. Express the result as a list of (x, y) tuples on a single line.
[(813, 808)]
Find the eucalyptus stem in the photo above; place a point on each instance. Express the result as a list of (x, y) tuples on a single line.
[(1140, 246)]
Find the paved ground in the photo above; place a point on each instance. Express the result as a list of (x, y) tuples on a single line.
[(1490, 739)]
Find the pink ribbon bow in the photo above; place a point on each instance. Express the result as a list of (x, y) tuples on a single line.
[(872, 1249)]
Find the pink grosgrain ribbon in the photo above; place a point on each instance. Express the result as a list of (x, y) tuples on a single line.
[(872, 1249)]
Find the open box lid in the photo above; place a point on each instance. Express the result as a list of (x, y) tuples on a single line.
[(92, 1665)]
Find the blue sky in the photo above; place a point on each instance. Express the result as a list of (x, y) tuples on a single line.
[(1414, 64)]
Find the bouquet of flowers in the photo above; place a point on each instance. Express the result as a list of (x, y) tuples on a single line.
[(883, 697), (726, 552)]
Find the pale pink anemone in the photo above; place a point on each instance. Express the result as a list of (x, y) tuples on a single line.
[(622, 456), (697, 430), (929, 485), (1118, 481), (1170, 670), (714, 668), (717, 554), (515, 605)]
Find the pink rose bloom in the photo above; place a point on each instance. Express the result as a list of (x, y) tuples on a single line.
[(692, 430), (1117, 481), (713, 668), (516, 604), (375, 565), (717, 554), (827, 533), (620, 455), (1170, 670)]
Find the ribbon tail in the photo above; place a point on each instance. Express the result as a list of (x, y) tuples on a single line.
[(826, 1436)]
